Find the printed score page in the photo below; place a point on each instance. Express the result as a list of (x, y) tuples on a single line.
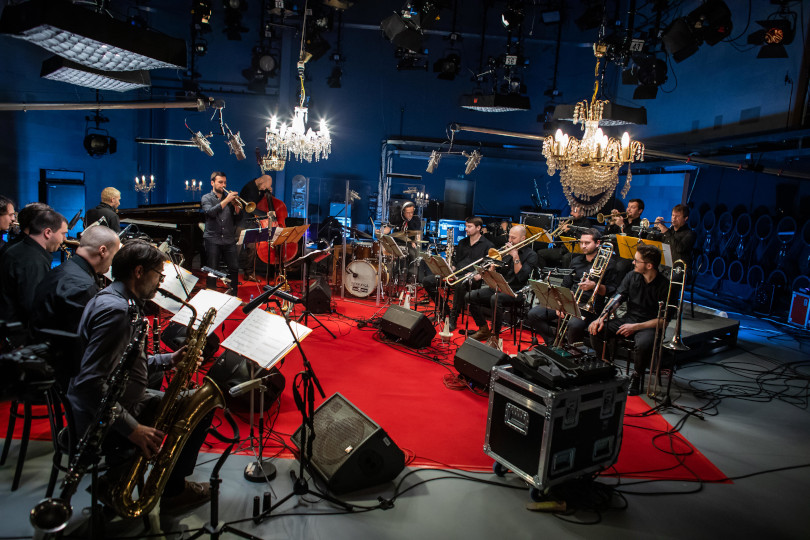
[(264, 338), (204, 300), (176, 277)]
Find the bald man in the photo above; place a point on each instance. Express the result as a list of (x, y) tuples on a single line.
[(110, 201)]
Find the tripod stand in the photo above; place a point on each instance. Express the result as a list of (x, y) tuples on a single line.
[(214, 528), (305, 401), (313, 256)]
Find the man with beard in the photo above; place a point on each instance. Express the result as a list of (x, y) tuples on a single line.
[(108, 209), (624, 225), (221, 219)]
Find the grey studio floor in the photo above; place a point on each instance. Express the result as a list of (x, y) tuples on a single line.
[(742, 437)]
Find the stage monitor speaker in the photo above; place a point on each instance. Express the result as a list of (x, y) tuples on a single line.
[(320, 297), (350, 451), (474, 360), (411, 327)]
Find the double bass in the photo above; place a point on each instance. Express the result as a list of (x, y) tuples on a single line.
[(277, 216)]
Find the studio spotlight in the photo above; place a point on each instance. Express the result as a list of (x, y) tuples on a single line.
[(97, 141), (334, 78), (512, 16), (648, 72), (448, 67), (435, 157), (405, 27), (233, 19), (263, 64), (709, 23), (201, 15), (773, 36)]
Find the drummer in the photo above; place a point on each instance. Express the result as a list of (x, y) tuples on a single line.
[(408, 233)]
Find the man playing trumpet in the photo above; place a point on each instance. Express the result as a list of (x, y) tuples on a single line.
[(623, 224), (516, 269), (679, 236), (222, 214)]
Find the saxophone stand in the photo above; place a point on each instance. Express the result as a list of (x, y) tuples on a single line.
[(305, 401), (214, 528)]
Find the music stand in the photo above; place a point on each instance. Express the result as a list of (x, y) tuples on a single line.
[(311, 257), (440, 268), (496, 282), (556, 298)]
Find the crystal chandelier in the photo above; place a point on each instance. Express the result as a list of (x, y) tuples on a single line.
[(305, 144), (589, 167)]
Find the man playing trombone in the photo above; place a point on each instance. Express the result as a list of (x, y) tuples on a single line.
[(517, 265), (543, 320), (221, 217), (642, 290)]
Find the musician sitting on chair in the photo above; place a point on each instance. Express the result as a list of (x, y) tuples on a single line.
[(108, 209), (579, 220), (105, 331), (254, 191), (680, 237), (471, 248), (543, 320), (221, 218), (411, 228), (642, 290), (7, 217), (624, 225), (516, 269)]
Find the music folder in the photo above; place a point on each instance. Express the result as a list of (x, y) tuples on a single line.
[(439, 266), (496, 282), (264, 338), (555, 298), (205, 299), (390, 245)]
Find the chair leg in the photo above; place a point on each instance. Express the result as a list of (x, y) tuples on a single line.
[(12, 419), (57, 460), (23, 445)]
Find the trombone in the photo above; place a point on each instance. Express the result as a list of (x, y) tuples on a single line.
[(494, 254), (676, 279), (601, 218), (248, 207)]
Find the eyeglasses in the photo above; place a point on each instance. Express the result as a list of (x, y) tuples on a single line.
[(162, 278)]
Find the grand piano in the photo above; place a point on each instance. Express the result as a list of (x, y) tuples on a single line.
[(180, 221)]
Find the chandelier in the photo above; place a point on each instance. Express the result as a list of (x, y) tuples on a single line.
[(589, 167), (295, 139)]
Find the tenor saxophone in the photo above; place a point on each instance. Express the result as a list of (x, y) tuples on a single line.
[(177, 416), (51, 515)]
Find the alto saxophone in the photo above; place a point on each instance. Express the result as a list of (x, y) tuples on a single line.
[(177, 416), (51, 515)]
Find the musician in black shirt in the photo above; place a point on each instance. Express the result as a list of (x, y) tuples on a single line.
[(110, 201), (516, 269), (544, 320), (221, 218), (624, 225), (471, 248), (680, 237), (62, 295), (642, 290), (7, 217), (254, 191)]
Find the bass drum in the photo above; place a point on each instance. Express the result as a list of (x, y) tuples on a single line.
[(361, 278)]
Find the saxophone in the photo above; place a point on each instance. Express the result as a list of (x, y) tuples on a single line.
[(51, 515), (177, 416)]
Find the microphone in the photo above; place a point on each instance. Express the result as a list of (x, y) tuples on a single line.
[(284, 295), (202, 143), (125, 231), (75, 219), (245, 387), (261, 299), (171, 296), (216, 273)]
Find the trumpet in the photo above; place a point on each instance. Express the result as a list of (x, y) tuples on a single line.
[(645, 223), (601, 218), (493, 254), (248, 207)]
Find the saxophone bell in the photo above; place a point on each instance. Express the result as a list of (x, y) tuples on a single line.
[(51, 515)]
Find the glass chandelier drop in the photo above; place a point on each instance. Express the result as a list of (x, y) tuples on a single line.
[(589, 167), (295, 139)]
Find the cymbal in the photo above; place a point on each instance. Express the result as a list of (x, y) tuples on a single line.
[(405, 234)]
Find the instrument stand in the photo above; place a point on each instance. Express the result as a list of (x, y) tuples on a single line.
[(307, 313), (666, 402), (258, 471), (304, 396), (214, 528)]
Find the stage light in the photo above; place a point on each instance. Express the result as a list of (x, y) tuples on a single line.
[(97, 141), (773, 36), (448, 67), (91, 39), (57, 68), (404, 28), (263, 64), (233, 19), (201, 15), (709, 23), (334, 78), (648, 72), (495, 103), (512, 16)]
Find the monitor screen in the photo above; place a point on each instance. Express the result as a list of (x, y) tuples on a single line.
[(457, 224)]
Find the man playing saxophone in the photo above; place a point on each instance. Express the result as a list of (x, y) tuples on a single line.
[(105, 331)]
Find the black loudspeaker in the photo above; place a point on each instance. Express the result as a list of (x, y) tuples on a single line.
[(320, 297), (350, 451), (474, 360), (231, 369), (411, 327)]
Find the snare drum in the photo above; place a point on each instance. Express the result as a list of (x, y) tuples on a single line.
[(366, 250), (361, 278)]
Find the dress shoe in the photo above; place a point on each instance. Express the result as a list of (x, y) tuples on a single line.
[(482, 334), (635, 385)]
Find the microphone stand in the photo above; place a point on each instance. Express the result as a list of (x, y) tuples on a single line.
[(307, 313), (305, 400)]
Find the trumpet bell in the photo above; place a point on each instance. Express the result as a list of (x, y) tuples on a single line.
[(250, 207)]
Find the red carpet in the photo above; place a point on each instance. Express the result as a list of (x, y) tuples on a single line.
[(405, 393)]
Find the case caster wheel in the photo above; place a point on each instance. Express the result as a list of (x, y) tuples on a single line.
[(499, 469), (535, 494)]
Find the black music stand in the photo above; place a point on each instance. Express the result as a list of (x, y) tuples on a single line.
[(496, 282), (311, 257)]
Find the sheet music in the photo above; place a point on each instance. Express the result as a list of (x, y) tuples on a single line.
[(264, 338), (666, 250), (202, 302), (173, 284)]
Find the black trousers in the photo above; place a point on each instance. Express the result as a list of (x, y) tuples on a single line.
[(544, 321), (643, 343), (486, 296), (431, 285), (213, 253)]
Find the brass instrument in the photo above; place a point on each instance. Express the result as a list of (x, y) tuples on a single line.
[(491, 254), (597, 271), (601, 218), (448, 254), (678, 279), (561, 225), (248, 207), (645, 223), (177, 416), (52, 515)]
